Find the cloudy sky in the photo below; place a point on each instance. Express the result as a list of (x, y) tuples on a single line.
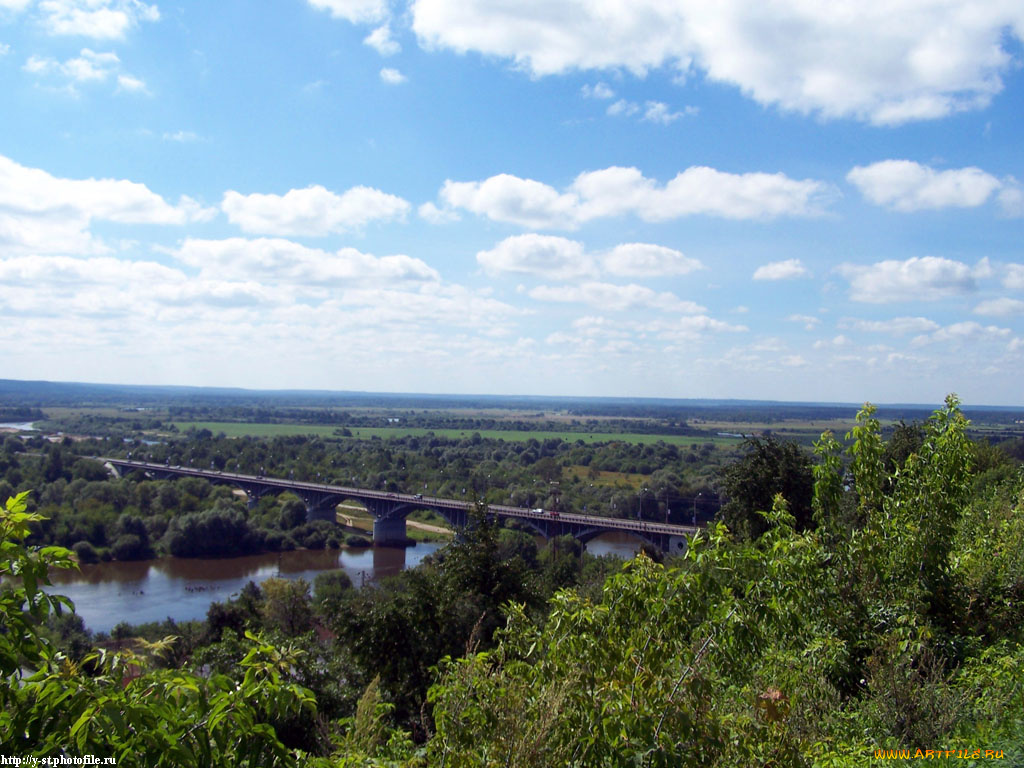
[(786, 200)]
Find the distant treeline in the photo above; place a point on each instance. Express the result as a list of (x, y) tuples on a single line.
[(42, 394), (429, 419), (20, 413)]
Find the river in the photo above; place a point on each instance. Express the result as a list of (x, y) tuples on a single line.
[(106, 594)]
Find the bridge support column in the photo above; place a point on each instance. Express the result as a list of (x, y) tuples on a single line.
[(676, 545), (325, 510), (389, 531)]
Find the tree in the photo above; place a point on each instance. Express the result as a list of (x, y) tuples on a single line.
[(770, 467), (122, 708)]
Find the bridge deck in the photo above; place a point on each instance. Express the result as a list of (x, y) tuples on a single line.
[(642, 527)]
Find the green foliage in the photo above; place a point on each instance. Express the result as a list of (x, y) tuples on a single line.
[(115, 703), (769, 467), (873, 630)]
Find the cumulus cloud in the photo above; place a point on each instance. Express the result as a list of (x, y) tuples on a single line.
[(903, 185), (659, 112), (615, 298), (382, 42), (1013, 277), (622, 107), (434, 215), (557, 258), (89, 67), (392, 76), (648, 260), (699, 325), (43, 213), (809, 322), (781, 270), (897, 326), (278, 260), (598, 90), (313, 211), (131, 84), (1002, 307), (617, 191), (99, 19), (356, 11), (545, 256), (508, 198), (883, 61), (925, 278), (968, 331)]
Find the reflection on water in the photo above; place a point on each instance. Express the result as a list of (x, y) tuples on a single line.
[(106, 594)]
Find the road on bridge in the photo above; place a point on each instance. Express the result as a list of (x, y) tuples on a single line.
[(379, 499)]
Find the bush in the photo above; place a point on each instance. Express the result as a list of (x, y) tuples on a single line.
[(85, 552)]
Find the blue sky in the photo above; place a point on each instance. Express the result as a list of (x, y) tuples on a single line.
[(631, 198)]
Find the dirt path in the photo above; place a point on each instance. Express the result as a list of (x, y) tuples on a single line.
[(351, 520)]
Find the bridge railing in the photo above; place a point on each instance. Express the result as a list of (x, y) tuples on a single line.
[(610, 523)]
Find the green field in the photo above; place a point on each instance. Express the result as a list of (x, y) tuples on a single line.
[(238, 429)]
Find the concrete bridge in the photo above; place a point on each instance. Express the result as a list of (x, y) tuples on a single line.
[(389, 510)]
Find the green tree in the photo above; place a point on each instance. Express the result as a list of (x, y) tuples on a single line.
[(123, 708), (769, 467)]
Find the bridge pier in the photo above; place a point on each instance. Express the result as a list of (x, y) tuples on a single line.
[(322, 510), (389, 531)]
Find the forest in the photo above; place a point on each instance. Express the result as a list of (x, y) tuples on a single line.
[(860, 601)]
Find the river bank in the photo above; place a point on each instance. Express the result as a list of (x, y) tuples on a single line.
[(105, 594)]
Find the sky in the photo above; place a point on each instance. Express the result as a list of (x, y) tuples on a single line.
[(637, 198)]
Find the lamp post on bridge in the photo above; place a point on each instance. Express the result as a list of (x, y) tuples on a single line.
[(699, 494)]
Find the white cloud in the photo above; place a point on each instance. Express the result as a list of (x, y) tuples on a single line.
[(554, 258), (968, 331), (131, 84), (557, 258), (809, 322), (903, 185), (617, 191), (925, 278), (508, 198), (599, 90), (277, 260), (100, 19), (434, 215), (1013, 277), (180, 136), (43, 213), (781, 270), (835, 342), (699, 325), (89, 67), (356, 11), (382, 42), (647, 260), (897, 326), (392, 76), (4, 49), (658, 112), (1011, 198), (884, 61), (622, 107), (615, 298), (1002, 307), (313, 211)]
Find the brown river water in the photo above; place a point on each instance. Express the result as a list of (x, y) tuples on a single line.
[(106, 594)]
